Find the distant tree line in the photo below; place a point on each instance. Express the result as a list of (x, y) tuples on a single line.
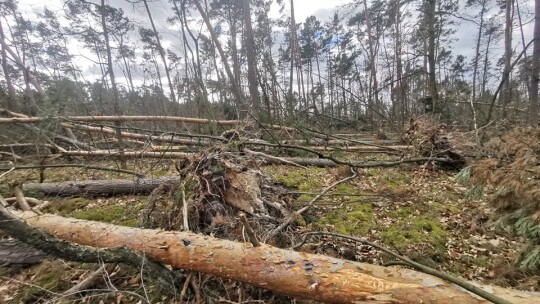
[(374, 63)]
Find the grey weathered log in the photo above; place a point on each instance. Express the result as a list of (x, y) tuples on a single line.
[(315, 162), (15, 252), (99, 187)]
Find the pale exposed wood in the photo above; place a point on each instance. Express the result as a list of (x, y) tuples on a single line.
[(143, 137), (342, 142), (361, 148), (127, 118), (22, 145), (30, 200), (273, 158), (315, 162), (83, 166), (21, 200), (142, 154), (296, 274)]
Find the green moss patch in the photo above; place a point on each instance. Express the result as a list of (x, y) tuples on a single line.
[(124, 215), (66, 207), (413, 232), (346, 188), (354, 219), (303, 180)]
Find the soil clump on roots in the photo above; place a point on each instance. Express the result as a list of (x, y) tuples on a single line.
[(215, 187)]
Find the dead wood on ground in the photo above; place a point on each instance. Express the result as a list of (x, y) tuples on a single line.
[(99, 187), (292, 273)]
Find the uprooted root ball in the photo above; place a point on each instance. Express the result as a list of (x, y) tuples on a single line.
[(214, 188)]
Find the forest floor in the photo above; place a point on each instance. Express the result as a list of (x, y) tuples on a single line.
[(420, 213)]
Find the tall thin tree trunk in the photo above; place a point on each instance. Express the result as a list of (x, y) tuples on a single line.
[(161, 53), (525, 57), (320, 82), (235, 87), (486, 63), (372, 67), (251, 60), (116, 102), (475, 63), (506, 91), (11, 103), (293, 52), (234, 51), (399, 64), (533, 98), (430, 20)]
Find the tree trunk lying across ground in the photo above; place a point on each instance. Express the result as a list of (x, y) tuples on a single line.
[(296, 274), (15, 252), (162, 138), (317, 162), (190, 120), (400, 148), (142, 154), (123, 118), (99, 187), (333, 142)]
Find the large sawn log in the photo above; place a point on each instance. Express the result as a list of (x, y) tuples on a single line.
[(99, 187), (292, 273)]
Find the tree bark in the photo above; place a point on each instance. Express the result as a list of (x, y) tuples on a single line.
[(292, 49), (15, 252), (234, 82), (130, 154), (296, 274), (116, 102), (161, 52), (430, 23), (476, 61), (164, 139), (251, 60), (121, 118), (99, 187), (506, 91), (533, 98), (10, 102)]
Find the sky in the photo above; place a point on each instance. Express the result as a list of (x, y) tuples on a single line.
[(322, 9), (161, 10), (303, 8)]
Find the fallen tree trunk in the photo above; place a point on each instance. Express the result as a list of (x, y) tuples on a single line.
[(142, 154), (15, 252), (164, 139), (333, 142), (401, 148), (316, 162), (99, 187), (188, 120), (296, 274)]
